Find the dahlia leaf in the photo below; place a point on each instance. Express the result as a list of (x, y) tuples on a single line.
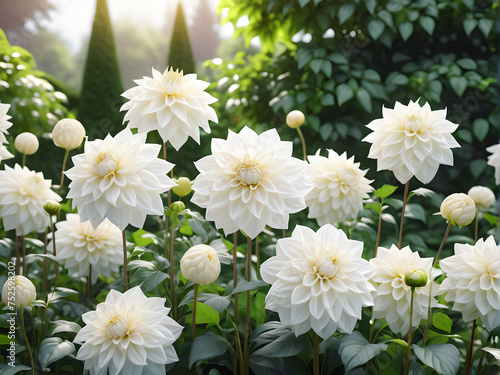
[(494, 352), (355, 350), (345, 12), (444, 358), (458, 84), (206, 347), (443, 322), (385, 191), (65, 326), (485, 26), (204, 315), (480, 128), (244, 286), (344, 93), (52, 349), (283, 343), (7, 370)]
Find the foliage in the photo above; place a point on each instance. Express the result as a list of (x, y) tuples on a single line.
[(340, 62), (180, 55), (100, 100)]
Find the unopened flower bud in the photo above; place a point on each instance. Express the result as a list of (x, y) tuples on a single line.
[(416, 278), (23, 289), (26, 143), (177, 206), (52, 207), (295, 119), (183, 187), (200, 264), (482, 196), (68, 133), (458, 209)]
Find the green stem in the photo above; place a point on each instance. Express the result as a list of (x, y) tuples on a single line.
[(316, 353), (89, 282), (65, 159), (247, 317), (21, 313), (171, 270), (23, 247), (448, 228), (23, 162), (303, 141), (125, 271), (476, 226), (468, 364), (407, 363), (378, 230), (236, 358), (193, 323), (405, 198), (18, 257), (54, 250), (258, 255), (44, 282)]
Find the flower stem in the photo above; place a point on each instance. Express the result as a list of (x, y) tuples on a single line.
[(316, 353), (448, 228), (23, 162), (21, 313), (476, 226), (23, 246), (378, 230), (89, 282), (65, 159), (405, 198), (407, 363), (54, 248), (235, 283), (172, 274), (18, 257), (258, 255), (44, 282), (125, 272), (193, 323), (468, 364), (303, 141), (247, 317)]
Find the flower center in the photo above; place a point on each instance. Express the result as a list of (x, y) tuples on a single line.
[(347, 178), (117, 327), (104, 164), (413, 124), (326, 266), (171, 81), (249, 174)]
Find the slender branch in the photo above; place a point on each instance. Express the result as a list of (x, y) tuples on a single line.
[(316, 353), (125, 271), (66, 153), (407, 363), (405, 198), (468, 364)]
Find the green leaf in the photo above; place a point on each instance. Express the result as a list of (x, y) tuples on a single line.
[(377, 207), (385, 191), (7, 370), (467, 64), (398, 79), (327, 100), (469, 26), (494, 352), (364, 99), (371, 75), (52, 349), (344, 93), (427, 24), (442, 321), (303, 57), (480, 128), (207, 346), (386, 16), (281, 342), (444, 358), (399, 342), (485, 26), (326, 67), (342, 129), (465, 135), (219, 303), (345, 12), (338, 58), (477, 167), (143, 238), (375, 28), (493, 220), (469, 4), (48, 257), (370, 5), (302, 3), (65, 326), (5, 340), (458, 84), (415, 211), (405, 29), (244, 286), (204, 315), (325, 131), (316, 65), (355, 350)]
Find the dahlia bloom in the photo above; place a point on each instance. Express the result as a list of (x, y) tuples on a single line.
[(4, 122), (4, 153), (79, 246), (339, 187), (26, 143), (482, 196), (128, 333), (458, 209), (23, 289), (200, 264), (174, 104), (119, 178), (250, 181), (23, 193), (68, 133), (494, 160), (412, 141), (473, 281), (319, 281), (393, 295)]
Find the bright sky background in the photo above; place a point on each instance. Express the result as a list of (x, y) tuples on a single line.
[(73, 18)]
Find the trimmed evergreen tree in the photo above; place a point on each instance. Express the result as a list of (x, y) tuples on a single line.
[(180, 55), (100, 99)]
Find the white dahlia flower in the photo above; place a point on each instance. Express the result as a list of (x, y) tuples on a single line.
[(23, 193), (250, 181), (339, 187), (393, 295), (4, 153), (200, 264), (412, 141), (473, 281), (319, 281), (458, 209), (79, 246), (4, 122), (129, 334), (174, 104), (68, 133), (18, 291), (26, 143), (494, 160), (119, 178), (482, 196)]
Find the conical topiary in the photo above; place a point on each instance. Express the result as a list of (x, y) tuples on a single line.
[(180, 55), (100, 99)]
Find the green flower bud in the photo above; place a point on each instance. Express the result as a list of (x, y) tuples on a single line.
[(177, 206), (52, 207), (295, 119), (183, 187), (416, 278)]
